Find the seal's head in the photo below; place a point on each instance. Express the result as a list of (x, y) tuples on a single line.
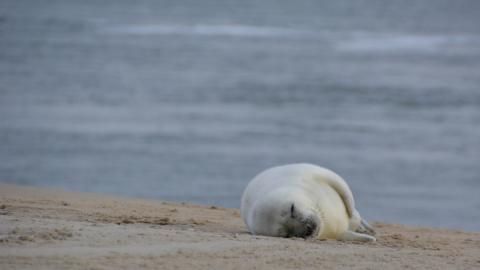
[(285, 215)]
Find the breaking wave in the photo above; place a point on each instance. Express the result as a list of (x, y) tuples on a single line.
[(381, 42), (206, 30)]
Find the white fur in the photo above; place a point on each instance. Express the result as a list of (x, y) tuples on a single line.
[(278, 201)]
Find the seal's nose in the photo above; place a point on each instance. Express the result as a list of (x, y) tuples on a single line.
[(300, 227), (310, 228)]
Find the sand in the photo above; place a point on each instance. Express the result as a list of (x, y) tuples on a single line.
[(52, 229)]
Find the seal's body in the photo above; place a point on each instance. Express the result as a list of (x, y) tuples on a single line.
[(302, 200)]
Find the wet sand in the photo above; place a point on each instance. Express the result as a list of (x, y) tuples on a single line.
[(44, 228)]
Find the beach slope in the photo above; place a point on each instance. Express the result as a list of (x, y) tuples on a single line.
[(44, 228)]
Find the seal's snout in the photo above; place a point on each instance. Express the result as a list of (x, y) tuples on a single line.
[(311, 228), (299, 224), (300, 228)]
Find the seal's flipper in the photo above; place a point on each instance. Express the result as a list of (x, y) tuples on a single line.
[(339, 185), (365, 228), (356, 223), (355, 236)]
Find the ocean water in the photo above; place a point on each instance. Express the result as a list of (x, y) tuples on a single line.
[(188, 100)]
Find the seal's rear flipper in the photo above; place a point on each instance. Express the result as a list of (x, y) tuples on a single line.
[(365, 228), (354, 236)]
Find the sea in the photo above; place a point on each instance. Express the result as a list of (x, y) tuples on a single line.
[(186, 101)]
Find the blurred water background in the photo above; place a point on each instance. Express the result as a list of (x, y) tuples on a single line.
[(188, 100)]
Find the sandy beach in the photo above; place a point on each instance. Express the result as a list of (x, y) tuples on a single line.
[(44, 228)]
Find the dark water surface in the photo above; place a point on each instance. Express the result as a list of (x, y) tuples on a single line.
[(188, 100)]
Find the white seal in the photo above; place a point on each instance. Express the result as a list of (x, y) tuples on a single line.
[(302, 200)]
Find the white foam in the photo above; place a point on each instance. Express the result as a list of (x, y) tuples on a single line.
[(206, 30), (381, 42)]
